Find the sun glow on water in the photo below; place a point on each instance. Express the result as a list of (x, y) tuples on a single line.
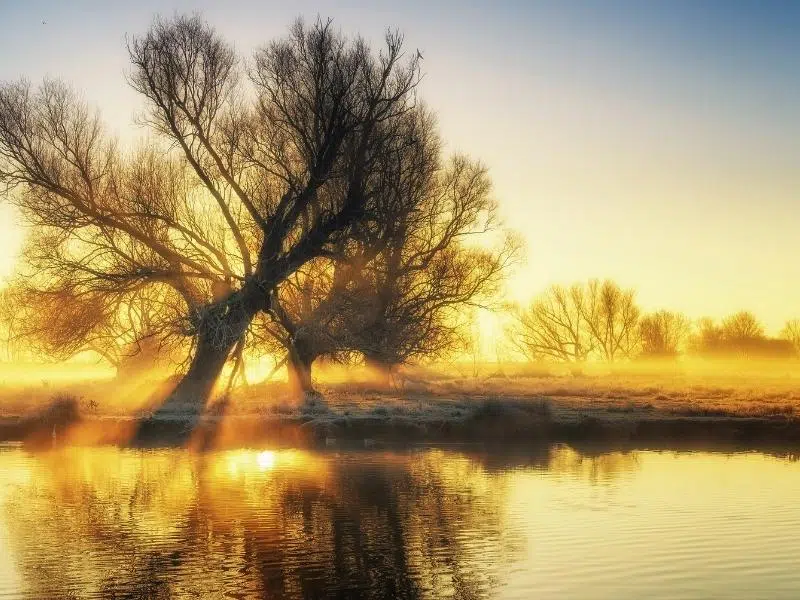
[(265, 460)]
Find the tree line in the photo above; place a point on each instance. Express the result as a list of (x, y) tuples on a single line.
[(600, 320), (298, 202)]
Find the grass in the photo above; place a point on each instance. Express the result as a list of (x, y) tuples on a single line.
[(516, 404)]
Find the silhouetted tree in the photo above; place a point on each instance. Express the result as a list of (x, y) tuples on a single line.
[(742, 325), (428, 276), (791, 333), (708, 338), (573, 324), (739, 335), (314, 311), (253, 181), (406, 294), (612, 317), (663, 334), (553, 326)]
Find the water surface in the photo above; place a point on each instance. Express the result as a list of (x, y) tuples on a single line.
[(461, 523)]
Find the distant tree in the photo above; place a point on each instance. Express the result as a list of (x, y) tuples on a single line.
[(708, 339), (596, 319), (742, 325), (739, 335), (773, 348), (612, 317), (663, 334), (553, 326), (791, 333)]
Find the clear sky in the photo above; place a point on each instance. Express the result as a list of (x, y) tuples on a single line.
[(657, 143)]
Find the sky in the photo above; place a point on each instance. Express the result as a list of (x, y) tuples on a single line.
[(656, 143)]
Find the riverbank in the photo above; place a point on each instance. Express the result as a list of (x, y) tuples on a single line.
[(631, 411)]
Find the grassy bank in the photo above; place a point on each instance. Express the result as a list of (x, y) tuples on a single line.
[(631, 408)]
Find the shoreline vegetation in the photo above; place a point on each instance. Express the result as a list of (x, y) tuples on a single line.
[(677, 408)]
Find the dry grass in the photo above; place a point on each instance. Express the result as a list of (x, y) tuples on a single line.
[(441, 395)]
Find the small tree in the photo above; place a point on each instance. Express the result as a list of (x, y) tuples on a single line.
[(739, 334), (612, 317), (708, 338), (742, 325), (313, 313), (791, 333), (553, 326), (663, 334), (132, 333), (573, 324), (11, 321)]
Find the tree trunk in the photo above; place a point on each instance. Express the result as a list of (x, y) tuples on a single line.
[(301, 357), (381, 369), (207, 363), (300, 380), (215, 341), (219, 329), (187, 400)]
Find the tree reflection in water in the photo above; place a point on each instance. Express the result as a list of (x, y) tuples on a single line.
[(247, 523)]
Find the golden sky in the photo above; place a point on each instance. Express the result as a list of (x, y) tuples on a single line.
[(657, 145)]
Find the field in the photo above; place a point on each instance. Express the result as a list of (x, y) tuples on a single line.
[(738, 403)]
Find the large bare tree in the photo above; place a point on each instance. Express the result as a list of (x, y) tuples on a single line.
[(248, 179), (405, 294)]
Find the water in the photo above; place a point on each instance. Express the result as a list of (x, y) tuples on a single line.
[(552, 523)]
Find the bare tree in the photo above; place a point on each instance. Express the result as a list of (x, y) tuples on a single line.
[(663, 334), (404, 293), (791, 332), (11, 320), (708, 337), (739, 335), (133, 333), (553, 326), (314, 312), (429, 275), (742, 325), (612, 317), (257, 176), (576, 323)]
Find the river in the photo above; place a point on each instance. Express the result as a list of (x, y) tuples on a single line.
[(461, 522)]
